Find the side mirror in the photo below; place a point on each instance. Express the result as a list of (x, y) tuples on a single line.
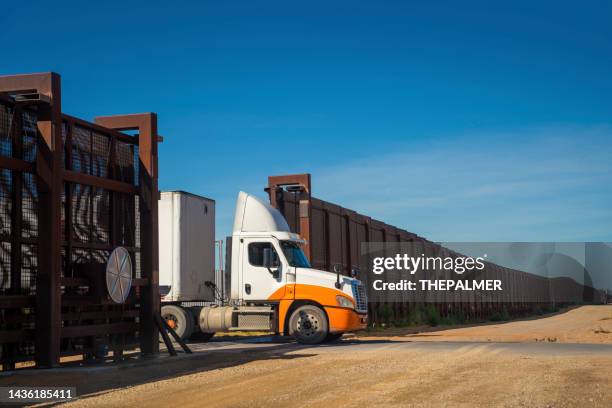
[(337, 270), (270, 260)]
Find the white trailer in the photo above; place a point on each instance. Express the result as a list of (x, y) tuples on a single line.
[(186, 257)]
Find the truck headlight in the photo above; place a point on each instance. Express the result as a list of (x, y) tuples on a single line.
[(344, 302)]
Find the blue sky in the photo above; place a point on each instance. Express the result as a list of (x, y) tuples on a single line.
[(459, 121)]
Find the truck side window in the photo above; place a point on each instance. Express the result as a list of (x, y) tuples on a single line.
[(256, 250)]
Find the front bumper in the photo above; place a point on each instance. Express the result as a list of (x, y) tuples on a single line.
[(345, 320)]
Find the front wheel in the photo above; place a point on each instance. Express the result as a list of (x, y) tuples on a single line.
[(308, 325)]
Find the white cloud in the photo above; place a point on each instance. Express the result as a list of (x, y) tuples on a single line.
[(549, 183)]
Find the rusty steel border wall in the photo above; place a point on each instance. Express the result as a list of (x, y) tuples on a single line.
[(70, 192), (334, 236)]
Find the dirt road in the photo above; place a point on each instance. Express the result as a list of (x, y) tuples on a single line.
[(388, 374), (365, 371), (586, 324)]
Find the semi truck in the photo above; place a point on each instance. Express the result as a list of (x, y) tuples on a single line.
[(267, 285)]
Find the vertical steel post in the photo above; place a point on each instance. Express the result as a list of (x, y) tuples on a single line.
[(349, 261), (49, 181), (302, 180)]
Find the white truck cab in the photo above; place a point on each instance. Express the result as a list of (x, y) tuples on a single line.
[(273, 287)]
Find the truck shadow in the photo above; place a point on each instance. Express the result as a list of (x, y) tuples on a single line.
[(94, 380), (349, 342), (284, 340), (98, 379)]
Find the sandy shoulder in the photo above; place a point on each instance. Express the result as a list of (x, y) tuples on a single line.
[(585, 324)]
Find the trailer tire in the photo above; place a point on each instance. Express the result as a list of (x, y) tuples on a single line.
[(179, 319), (308, 325)]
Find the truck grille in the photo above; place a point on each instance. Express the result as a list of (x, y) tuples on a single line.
[(361, 298)]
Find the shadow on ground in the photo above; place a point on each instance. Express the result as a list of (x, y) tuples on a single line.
[(97, 379)]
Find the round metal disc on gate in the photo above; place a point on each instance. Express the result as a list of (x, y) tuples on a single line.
[(119, 274)]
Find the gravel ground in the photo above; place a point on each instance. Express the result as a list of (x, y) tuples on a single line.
[(455, 368), (391, 375)]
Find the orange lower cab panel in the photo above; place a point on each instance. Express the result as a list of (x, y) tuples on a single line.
[(345, 320)]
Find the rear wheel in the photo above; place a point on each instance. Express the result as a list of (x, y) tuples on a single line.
[(308, 325), (178, 319)]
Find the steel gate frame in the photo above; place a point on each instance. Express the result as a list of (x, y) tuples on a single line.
[(44, 91)]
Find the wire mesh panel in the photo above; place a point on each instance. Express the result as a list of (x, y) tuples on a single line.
[(126, 170), (29, 132), (81, 211), (29, 206), (126, 209), (18, 229), (100, 256), (100, 154), (5, 268), (81, 150), (95, 221), (6, 182), (101, 215), (6, 205), (29, 269), (6, 121)]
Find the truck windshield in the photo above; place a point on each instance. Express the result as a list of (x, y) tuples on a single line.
[(294, 254)]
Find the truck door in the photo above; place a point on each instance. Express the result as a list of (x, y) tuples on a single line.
[(258, 281)]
